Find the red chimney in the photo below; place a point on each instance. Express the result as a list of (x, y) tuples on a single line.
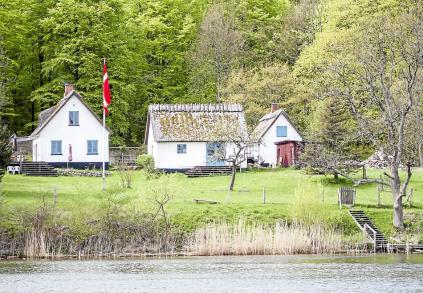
[(68, 88), (275, 107)]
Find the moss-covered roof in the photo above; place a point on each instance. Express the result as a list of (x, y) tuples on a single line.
[(196, 122)]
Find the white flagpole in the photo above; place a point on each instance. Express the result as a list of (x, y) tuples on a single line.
[(104, 138), (104, 149)]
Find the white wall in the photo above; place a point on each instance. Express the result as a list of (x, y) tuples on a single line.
[(58, 129), (267, 147), (152, 145), (166, 156), (36, 152)]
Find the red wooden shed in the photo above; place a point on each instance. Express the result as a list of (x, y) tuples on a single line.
[(287, 152)]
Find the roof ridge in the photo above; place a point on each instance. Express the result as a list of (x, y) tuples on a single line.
[(194, 107)]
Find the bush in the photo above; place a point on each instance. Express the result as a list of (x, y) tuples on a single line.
[(145, 162)]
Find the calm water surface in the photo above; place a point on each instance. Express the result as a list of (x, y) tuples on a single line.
[(382, 273)]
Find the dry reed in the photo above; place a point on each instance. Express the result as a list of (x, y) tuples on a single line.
[(242, 239)]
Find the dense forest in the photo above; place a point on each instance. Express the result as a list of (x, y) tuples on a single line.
[(171, 51)]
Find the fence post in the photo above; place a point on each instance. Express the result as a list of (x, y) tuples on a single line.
[(410, 198), (264, 195), (378, 195), (54, 196), (374, 241)]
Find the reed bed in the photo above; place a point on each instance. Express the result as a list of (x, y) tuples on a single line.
[(41, 244), (281, 239)]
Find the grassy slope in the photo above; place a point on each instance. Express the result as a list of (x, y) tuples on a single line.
[(286, 190)]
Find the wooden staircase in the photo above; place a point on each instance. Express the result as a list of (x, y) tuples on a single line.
[(37, 169), (380, 243), (204, 171)]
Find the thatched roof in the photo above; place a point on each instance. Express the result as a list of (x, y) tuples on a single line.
[(195, 122), (267, 121)]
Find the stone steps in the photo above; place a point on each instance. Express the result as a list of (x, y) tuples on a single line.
[(37, 169), (204, 171)]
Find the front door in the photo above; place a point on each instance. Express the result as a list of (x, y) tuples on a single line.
[(215, 154)]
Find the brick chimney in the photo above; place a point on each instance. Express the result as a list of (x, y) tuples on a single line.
[(68, 89), (275, 107)]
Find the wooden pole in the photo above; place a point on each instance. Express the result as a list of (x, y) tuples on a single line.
[(54, 196), (378, 195), (264, 195), (410, 197)]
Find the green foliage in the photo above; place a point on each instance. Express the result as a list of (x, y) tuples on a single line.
[(258, 88), (145, 162), (5, 149), (308, 206), (48, 43)]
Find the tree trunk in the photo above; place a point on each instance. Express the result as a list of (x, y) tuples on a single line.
[(231, 185), (398, 219), (398, 213), (336, 176)]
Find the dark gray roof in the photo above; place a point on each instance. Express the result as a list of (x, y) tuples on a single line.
[(46, 115), (195, 122), (267, 121)]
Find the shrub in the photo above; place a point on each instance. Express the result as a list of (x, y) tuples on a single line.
[(145, 162)]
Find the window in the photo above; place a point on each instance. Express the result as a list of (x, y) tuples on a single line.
[(92, 147), (73, 118), (181, 148), (56, 147), (281, 131)]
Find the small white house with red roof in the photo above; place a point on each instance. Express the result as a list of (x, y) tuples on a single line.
[(70, 134)]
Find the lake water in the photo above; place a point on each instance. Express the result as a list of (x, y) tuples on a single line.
[(381, 273)]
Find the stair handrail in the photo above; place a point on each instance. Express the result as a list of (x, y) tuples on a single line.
[(367, 226)]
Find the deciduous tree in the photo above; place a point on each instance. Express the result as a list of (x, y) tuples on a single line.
[(381, 80)]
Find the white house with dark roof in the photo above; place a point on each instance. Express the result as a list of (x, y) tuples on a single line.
[(183, 136), (70, 134), (273, 128)]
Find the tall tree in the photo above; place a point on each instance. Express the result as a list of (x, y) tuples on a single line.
[(217, 50), (256, 89), (330, 136), (381, 80), (5, 150)]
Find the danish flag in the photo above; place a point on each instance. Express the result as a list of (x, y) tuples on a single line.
[(107, 98)]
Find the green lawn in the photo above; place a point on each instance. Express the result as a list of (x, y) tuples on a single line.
[(285, 189)]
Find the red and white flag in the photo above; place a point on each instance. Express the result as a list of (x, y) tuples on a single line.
[(107, 98)]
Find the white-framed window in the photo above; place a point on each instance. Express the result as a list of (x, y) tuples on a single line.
[(281, 131), (181, 148), (56, 147), (73, 118), (92, 147)]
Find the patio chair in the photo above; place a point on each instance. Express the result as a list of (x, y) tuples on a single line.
[(10, 169), (17, 169)]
